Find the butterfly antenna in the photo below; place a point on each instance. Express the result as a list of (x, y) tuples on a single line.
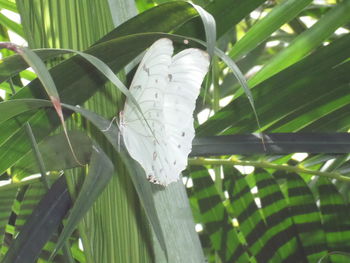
[(120, 125), (119, 133), (110, 124)]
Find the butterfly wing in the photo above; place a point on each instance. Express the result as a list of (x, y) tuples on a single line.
[(166, 88), (186, 74), (144, 145)]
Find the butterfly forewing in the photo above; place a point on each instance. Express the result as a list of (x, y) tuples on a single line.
[(147, 88)]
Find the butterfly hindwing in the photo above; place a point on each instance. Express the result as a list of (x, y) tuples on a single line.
[(186, 74)]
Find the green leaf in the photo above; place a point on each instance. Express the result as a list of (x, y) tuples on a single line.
[(306, 216), (12, 108), (241, 79), (260, 31), (41, 225), (154, 20), (41, 71), (9, 5), (12, 65), (209, 27), (226, 14), (217, 223), (244, 209), (176, 222), (275, 143), (11, 25), (7, 197), (56, 154), (335, 219), (305, 42), (100, 172), (27, 199), (323, 69), (282, 243)]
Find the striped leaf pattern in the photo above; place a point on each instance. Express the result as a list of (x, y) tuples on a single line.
[(335, 217), (7, 201), (31, 199), (282, 243), (215, 218), (274, 216), (17, 206), (246, 211), (305, 215)]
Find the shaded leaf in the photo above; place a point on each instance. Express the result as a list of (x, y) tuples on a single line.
[(335, 214), (305, 42), (278, 16), (100, 172), (41, 225), (306, 217), (56, 154), (282, 244)]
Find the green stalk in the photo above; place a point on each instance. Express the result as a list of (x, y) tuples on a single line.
[(267, 165)]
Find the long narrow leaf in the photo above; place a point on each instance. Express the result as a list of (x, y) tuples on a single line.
[(275, 143), (100, 173), (278, 16), (209, 27), (41, 225), (9, 5), (11, 25), (306, 42)]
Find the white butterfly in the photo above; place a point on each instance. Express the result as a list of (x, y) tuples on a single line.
[(166, 88)]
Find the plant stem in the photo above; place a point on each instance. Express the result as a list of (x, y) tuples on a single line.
[(292, 169)]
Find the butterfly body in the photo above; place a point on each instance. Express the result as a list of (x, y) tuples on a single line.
[(166, 88)]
